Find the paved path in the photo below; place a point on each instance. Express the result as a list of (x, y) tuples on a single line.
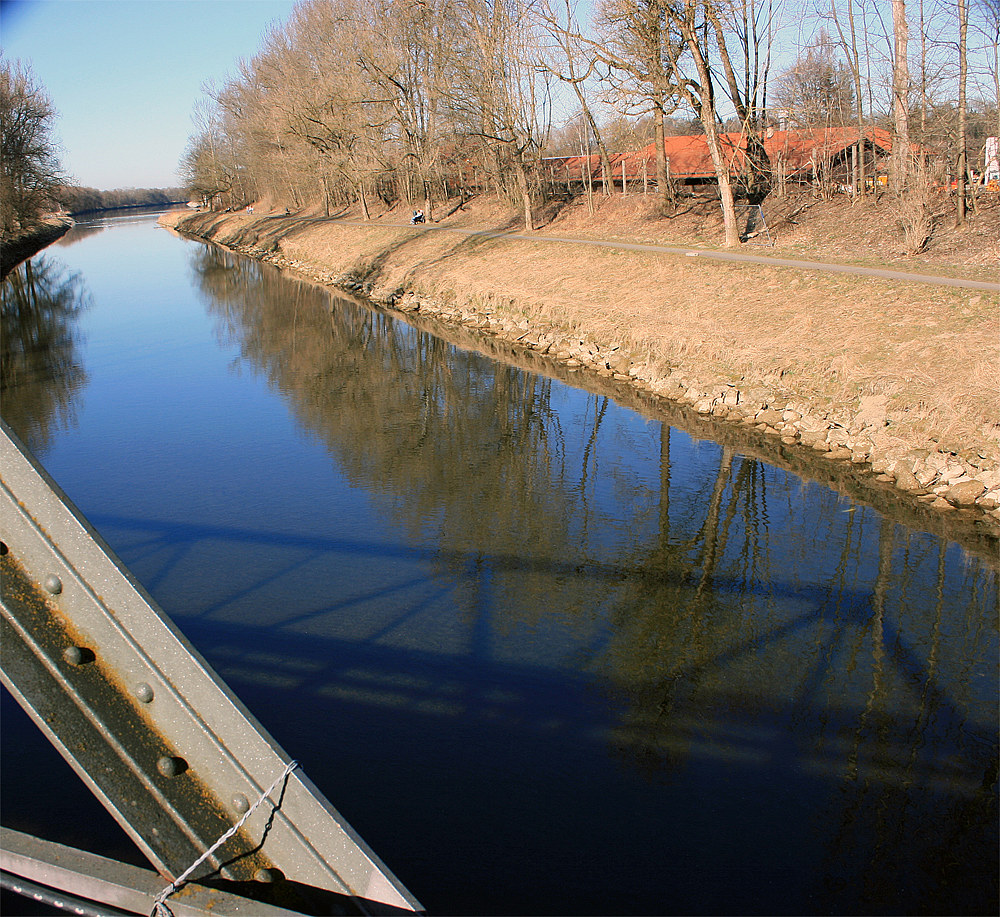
[(724, 256)]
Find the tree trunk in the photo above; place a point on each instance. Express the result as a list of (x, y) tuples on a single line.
[(364, 201), (662, 180), (706, 112), (520, 175), (858, 91), (900, 96), (725, 188), (963, 165), (923, 81)]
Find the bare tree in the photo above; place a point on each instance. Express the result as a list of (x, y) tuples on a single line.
[(852, 54), (640, 48), (29, 168), (497, 95), (559, 22), (739, 33), (405, 53), (205, 175), (700, 92), (355, 100), (322, 100), (818, 89), (743, 37)]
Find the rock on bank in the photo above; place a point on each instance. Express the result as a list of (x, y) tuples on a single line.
[(788, 355)]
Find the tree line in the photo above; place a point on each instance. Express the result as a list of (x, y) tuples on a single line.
[(351, 101), (75, 199)]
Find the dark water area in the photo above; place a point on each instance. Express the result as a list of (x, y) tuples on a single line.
[(547, 654)]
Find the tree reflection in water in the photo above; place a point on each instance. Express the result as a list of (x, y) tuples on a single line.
[(733, 615), (41, 375)]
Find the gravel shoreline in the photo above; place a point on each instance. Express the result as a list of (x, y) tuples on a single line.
[(952, 483)]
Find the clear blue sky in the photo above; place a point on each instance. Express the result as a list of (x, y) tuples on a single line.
[(124, 75)]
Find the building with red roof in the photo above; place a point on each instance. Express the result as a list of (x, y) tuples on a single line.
[(800, 155)]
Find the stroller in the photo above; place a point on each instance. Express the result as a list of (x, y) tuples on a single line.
[(418, 217)]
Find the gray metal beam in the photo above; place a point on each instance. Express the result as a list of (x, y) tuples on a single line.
[(141, 717), (59, 869)]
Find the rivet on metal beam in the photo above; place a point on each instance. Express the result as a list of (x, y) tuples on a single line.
[(144, 692), (78, 655), (171, 765), (240, 803), (268, 875), (52, 584)]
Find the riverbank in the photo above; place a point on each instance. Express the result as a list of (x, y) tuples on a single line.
[(21, 247), (895, 381)]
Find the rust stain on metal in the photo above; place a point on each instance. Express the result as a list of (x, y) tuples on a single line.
[(107, 693)]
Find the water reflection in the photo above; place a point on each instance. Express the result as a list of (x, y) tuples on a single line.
[(83, 229), (462, 450), (41, 374), (735, 620)]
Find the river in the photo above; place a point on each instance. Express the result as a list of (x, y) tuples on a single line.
[(546, 653)]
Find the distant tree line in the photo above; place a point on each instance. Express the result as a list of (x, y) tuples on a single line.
[(75, 200)]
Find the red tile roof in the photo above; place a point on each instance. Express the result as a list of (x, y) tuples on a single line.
[(690, 158)]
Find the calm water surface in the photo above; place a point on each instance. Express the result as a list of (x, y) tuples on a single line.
[(545, 654)]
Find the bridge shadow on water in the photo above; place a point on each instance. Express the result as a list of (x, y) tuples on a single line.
[(472, 761), (493, 779)]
